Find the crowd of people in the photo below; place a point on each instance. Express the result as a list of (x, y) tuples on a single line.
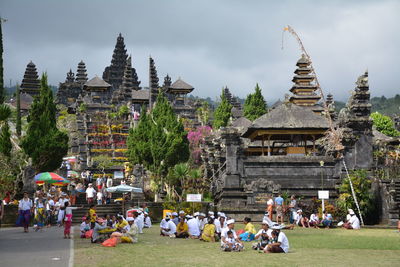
[(56, 208)]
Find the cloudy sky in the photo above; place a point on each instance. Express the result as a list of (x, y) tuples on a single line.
[(210, 43)]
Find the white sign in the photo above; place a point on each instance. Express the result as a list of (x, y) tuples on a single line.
[(118, 175), (193, 197), (323, 194)]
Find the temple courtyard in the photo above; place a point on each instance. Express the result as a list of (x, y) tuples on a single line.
[(308, 247)]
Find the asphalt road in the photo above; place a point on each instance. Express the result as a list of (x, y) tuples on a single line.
[(47, 248)]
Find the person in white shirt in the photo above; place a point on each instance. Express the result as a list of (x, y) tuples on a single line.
[(164, 223), (49, 210), (139, 221), (314, 220), (264, 235), (170, 229), (61, 210), (193, 227), (353, 222), (147, 220), (85, 226), (99, 198), (25, 207), (202, 221), (109, 182), (217, 223), (300, 220), (281, 245), (90, 194), (224, 235)]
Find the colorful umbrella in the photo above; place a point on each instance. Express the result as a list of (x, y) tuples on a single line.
[(50, 178)]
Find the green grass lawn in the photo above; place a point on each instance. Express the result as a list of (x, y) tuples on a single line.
[(308, 247)]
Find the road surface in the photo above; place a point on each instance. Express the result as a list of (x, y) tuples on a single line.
[(47, 248)]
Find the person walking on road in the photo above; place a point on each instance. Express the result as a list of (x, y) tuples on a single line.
[(25, 207)]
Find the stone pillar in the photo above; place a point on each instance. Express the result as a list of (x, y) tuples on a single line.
[(231, 141)]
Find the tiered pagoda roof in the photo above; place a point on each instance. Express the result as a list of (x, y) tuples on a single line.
[(96, 84), (153, 81), (30, 83), (114, 73), (127, 82), (81, 75), (304, 89), (234, 101), (70, 77), (180, 87)]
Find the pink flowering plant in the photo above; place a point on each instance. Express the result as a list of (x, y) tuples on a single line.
[(196, 138)]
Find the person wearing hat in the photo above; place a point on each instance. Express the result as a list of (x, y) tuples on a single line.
[(193, 227), (170, 229), (353, 222), (139, 221), (224, 236), (201, 221), (264, 235), (281, 245), (164, 223), (175, 218), (147, 220), (130, 234), (300, 220)]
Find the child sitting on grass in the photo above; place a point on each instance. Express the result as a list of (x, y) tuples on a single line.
[(231, 243)]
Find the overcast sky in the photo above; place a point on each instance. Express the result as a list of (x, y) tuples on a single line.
[(211, 43)]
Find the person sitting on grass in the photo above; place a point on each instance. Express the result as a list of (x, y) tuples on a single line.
[(314, 220), (353, 222), (100, 224), (193, 225), (164, 223), (224, 235), (301, 220), (249, 230), (231, 244), (85, 226), (147, 220), (121, 224), (327, 219), (182, 229), (170, 228), (263, 236), (281, 245), (208, 234), (129, 234)]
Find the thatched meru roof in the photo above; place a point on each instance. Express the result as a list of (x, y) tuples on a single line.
[(288, 116), (181, 84), (241, 124), (143, 94), (97, 82)]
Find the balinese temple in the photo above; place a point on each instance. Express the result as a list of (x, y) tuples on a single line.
[(153, 81), (177, 95), (304, 89), (129, 84), (114, 73), (282, 150), (236, 111), (69, 91), (81, 75), (97, 91), (30, 83)]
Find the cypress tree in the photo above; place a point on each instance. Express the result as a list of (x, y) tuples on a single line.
[(5, 140), (2, 90), (254, 105), (222, 113), (44, 143), (18, 122)]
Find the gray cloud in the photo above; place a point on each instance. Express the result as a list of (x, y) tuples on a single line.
[(210, 44)]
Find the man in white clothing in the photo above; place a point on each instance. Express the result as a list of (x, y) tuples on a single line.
[(170, 229), (353, 222), (193, 226), (164, 223), (224, 235), (281, 245), (90, 193), (147, 220)]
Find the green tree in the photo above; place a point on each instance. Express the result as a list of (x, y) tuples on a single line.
[(103, 162), (222, 113), (159, 141), (2, 90), (203, 113), (384, 124), (44, 143), (18, 123), (254, 105), (362, 189), (5, 135)]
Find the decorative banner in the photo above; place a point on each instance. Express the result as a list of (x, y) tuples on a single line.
[(193, 198)]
